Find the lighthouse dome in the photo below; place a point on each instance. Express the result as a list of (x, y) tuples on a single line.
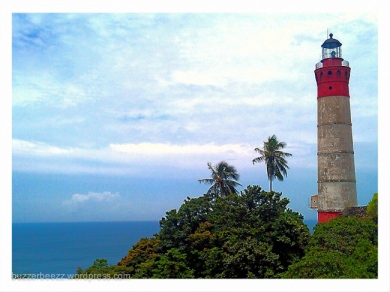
[(331, 43), (331, 48)]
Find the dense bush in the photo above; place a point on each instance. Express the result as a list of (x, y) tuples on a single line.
[(340, 248), (372, 208)]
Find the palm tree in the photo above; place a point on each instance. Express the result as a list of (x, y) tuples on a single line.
[(224, 179), (273, 158)]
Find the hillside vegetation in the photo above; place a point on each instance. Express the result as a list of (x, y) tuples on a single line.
[(250, 235)]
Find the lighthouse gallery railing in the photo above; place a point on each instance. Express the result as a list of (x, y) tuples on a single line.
[(343, 63)]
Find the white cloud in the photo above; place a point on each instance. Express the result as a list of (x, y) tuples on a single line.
[(27, 148), (92, 197)]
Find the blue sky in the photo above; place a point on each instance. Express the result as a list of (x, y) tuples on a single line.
[(115, 116)]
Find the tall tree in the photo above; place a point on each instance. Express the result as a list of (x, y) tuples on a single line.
[(273, 158), (224, 179)]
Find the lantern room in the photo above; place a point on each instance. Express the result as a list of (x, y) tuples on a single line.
[(331, 48)]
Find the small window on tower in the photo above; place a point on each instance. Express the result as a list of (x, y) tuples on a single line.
[(329, 72), (330, 87)]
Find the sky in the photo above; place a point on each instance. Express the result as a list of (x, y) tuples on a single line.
[(115, 116)]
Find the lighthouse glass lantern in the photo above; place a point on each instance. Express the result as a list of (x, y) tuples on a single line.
[(331, 48)]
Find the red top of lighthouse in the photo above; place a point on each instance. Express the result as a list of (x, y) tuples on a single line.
[(332, 73)]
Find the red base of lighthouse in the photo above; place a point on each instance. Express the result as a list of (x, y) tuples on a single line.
[(326, 216)]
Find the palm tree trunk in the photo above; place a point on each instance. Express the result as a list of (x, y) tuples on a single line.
[(270, 184)]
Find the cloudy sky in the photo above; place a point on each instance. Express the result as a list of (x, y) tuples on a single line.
[(115, 116)]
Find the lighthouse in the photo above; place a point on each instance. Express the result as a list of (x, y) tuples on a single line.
[(336, 167)]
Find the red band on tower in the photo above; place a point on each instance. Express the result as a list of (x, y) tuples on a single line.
[(326, 216), (332, 76)]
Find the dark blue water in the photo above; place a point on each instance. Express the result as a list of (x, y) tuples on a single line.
[(60, 248), (63, 247)]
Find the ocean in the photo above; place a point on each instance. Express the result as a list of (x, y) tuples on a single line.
[(60, 248), (57, 248)]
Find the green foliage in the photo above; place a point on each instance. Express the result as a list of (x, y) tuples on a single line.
[(143, 251), (259, 237), (340, 248), (251, 235), (372, 208), (249, 258), (326, 265), (177, 226), (171, 265), (101, 268), (344, 234)]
